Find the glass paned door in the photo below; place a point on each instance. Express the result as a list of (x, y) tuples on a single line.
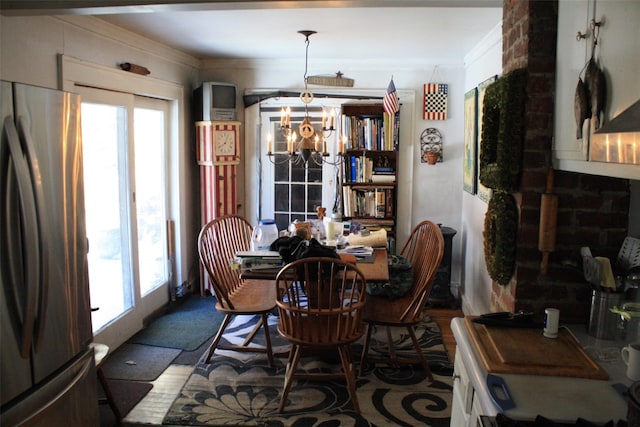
[(150, 160), (125, 161), (104, 135)]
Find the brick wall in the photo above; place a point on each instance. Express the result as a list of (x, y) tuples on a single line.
[(592, 210)]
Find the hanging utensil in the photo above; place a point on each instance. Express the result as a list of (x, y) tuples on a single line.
[(548, 222)]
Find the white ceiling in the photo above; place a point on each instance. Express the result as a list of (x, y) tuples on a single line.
[(441, 35), (409, 31)]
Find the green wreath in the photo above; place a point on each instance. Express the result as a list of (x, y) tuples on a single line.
[(500, 234), (503, 132)]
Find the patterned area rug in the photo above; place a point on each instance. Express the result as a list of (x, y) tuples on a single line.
[(241, 389)]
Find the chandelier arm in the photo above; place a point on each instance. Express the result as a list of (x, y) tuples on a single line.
[(324, 160), (287, 159)]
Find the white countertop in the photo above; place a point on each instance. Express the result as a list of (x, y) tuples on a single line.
[(558, 398), (605, 352)]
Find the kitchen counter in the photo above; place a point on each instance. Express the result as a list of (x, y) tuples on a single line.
[(562, 399), (605, 352)]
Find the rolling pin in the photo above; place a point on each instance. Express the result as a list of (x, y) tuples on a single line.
[(548, 221)]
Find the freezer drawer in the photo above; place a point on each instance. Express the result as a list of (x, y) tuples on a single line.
[(68, 399)]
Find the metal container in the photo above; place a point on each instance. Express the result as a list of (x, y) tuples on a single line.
[(602, 322), (628, 321)]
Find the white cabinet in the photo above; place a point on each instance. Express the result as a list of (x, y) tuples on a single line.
[(573, 16), (616, 52), (463, 411)]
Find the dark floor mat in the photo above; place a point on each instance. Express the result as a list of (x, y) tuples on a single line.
[(193, 357), (138, 362), (186, 327), (127, 394)]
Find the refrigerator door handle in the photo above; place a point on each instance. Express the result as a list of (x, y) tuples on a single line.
[(43, 232), (27, 307), (38, 406)]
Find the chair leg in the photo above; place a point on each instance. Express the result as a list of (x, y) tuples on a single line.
[(348, 368), (267, 338), (365, 347), (263, 322), (292, 363), (391, 347), (107, 391), (216, 340), (253, 332), (423, 360)]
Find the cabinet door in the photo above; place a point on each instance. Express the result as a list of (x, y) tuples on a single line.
[(462, 394), (459, 418), (616, 54), (476, 411), (573, 16)]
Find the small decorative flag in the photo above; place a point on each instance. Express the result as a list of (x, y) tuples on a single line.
[(435, 101), (390, 103)]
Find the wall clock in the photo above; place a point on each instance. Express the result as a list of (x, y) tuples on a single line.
[(225, 145)]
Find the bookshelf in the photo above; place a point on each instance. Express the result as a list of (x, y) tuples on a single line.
[(370, 164)]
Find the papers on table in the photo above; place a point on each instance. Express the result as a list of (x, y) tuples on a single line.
[(258, 260), (261, 254), (375, 239), (360, 252), (356, 250)]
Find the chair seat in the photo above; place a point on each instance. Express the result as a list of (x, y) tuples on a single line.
[(383, 311), (254, 296), (100, 351)]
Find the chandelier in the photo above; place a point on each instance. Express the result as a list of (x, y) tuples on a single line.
[(311, 145)]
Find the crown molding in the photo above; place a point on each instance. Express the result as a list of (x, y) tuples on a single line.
[(490, 40), (130, 39)]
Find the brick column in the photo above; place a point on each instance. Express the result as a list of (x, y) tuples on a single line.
[(592, 210)]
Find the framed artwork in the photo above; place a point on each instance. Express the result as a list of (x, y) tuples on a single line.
[(484, 193), (435, 101), (470, 159)]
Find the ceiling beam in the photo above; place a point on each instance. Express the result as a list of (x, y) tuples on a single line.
[(97, 7)]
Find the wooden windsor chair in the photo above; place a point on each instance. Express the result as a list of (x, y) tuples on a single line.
[(320, 302), (424, 249), (218, 243)]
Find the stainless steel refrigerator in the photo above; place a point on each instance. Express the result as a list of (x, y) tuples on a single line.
[(47, 369)]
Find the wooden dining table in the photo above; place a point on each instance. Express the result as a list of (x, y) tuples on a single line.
[(376, 271)]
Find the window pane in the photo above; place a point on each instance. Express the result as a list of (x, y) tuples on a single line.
[(282, 197), (282, 221), (314, 172), (298, 173), (149, 137), (298, 197), (103, 134), (281, 172), (314, 198)]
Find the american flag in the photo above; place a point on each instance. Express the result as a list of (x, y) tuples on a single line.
[(435, 101), (390, 103)]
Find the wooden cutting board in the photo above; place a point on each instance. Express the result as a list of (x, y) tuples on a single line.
[(526, 351)]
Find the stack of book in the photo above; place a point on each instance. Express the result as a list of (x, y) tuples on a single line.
[(259, 260), (383, 175)]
